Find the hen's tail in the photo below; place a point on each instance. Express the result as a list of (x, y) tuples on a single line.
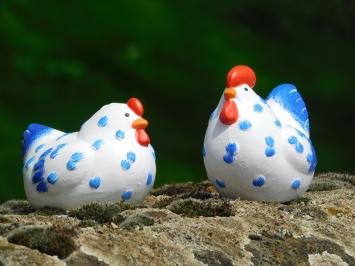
[(33, 133)]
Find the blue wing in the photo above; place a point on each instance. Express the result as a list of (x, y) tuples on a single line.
[(32, 133), (290, 99)]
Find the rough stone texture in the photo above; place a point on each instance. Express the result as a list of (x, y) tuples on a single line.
[(188, 224)]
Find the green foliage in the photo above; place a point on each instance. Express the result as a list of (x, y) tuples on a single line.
[(61, 61)]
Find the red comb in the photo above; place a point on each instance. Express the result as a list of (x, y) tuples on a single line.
[(240, 75), (136, 106)]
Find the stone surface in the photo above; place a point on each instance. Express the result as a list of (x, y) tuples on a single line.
[(188, 224)]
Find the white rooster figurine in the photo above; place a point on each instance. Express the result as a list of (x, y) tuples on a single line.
[(259, 149), (109, 159)]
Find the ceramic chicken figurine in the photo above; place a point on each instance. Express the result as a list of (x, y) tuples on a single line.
[(109, 159), (259, 149)]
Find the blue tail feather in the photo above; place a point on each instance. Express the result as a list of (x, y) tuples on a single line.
[(32, 133), (290, 99)]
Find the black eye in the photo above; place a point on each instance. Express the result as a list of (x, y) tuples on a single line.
[(126, 114), (246, 89)]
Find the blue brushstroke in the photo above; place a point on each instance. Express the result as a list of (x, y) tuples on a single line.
[(299, 147), (228, 158), (44, 155), (131, 156), (292, 140), (231, 148), (39, 147), (102, 121), (270, 151), (52, 178), (62, 136), (29, 162), (125, 165), (42, 187), (296, 184), (77, 157), (33, 133), (258, 182), (277, 123), (57, 149), (71, 165), (95, 182), (270, 141), (220, 183), (97, 144), (120, 134), (245, 125), (126, 195), (313, 165), (149, 179), (258, 108), (289, 98)]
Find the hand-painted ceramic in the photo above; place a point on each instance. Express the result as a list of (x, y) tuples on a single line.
[(109, 159), (259, 149)]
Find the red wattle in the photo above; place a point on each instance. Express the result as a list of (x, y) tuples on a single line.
[(229, 113), (142, 137)]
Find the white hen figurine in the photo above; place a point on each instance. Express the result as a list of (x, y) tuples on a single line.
[(109, 159), (259, 149)]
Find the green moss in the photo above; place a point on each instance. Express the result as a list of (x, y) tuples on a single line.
[(134, 221), (331, 181), (102, 213), (48, 211), (16, 207), (4, 220), (300, 200), (208, 208), (52, 241)]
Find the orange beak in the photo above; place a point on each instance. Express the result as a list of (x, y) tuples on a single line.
[(229, 93), (140, 123)]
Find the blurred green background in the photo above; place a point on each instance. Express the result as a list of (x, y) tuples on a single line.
[(60, 62)]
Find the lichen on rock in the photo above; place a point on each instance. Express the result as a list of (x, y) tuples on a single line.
[(187, 224)]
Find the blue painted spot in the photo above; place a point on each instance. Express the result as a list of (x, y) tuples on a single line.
[(120, 134), (301, 134), (220, 183), (38, 176), (149, 179), (126, 195), (277, 123), (269, 151), (292, 140), (95, 182), (56, 151), (258, 108), (299, 147), (203, 151), (244, 125), (313, 165), (77, 157), (309, 157), (39, 147), (231, 148), (33, 133), (62, 136), (29, 162), (39, 165), (296, 184), (97, 144), (42, 187), (125, 164), (131, 156), (71, 165), (44, 155), (102, 121), (270, 141), (52, 178), (258, 182), (228, 158)]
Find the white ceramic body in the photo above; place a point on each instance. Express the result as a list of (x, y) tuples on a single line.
[(238, 179), (72, 187)]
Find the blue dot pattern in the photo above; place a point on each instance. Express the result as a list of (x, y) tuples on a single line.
[(149, 179), (52, 178), (296, 184), (56, 150), (245, 125), (258, 182), (231, 151), (125, 165), (95, 182), (258, 108), (299, 147), (97, 144), (277, 123), (270, 150), (29, 162), (120, 134), (74, 160), (204, 151), (39, 147), (131, 156), (220, 183), (102, 121), (126, 195), (292, 140)]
